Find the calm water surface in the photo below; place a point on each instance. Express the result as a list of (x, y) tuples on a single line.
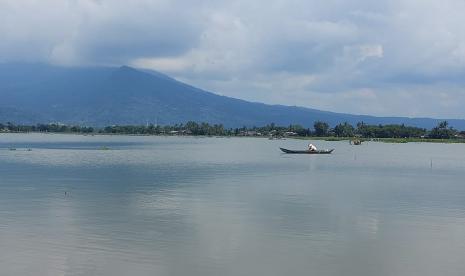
[(219, 206)]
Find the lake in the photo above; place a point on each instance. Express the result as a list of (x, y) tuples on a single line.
[(228, 206)]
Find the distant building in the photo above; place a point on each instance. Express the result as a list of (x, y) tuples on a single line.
[(250, 133), (290, 133)]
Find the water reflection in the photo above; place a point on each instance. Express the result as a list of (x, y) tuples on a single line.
[(185, 206)]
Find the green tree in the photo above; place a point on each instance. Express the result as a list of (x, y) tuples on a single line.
[(321, 128), (442, 131), (344, 130)]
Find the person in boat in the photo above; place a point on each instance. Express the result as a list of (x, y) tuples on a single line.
[(311, 147)]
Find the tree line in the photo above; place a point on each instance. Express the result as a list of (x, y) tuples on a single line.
[(320, 128), (441, 131), (58, 128)]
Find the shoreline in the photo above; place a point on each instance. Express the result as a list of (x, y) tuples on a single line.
[(387, 140), (317, 138)]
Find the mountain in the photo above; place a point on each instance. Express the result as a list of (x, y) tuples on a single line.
[(98, 96)]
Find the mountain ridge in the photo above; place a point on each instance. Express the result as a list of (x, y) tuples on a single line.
[(99, 96)]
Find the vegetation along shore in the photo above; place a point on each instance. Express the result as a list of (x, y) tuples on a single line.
[(384, 133)]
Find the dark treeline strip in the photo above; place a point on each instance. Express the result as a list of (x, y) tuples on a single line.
[(322, 129), (58, 128)]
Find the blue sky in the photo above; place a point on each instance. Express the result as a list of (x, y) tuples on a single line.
[(403, 58)]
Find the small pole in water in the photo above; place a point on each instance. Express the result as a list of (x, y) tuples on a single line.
[(431, 163)]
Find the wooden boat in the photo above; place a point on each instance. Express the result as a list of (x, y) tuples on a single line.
[(355, 142), (306, 151)]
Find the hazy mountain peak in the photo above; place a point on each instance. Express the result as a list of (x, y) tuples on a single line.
[(126, 70), (124, 95)]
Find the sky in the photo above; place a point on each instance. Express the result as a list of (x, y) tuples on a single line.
[(385, 57)]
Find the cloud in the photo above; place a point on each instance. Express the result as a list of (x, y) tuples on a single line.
[(95, 32), (304, 52)]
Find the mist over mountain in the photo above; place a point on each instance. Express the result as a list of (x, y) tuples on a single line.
[(99, 96)]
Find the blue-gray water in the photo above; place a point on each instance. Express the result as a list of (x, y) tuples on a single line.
[(219, 206)]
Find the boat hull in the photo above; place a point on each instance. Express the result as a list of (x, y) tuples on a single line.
[(306, 151)]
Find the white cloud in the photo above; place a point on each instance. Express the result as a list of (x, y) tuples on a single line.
[(367, 51), (303, 52)]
